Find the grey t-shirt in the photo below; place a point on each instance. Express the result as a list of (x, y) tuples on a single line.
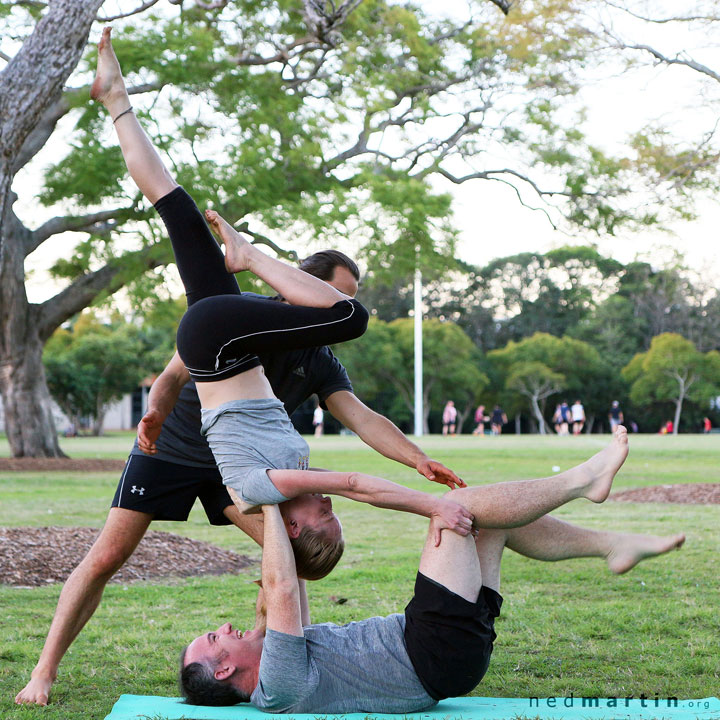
[(294, 376), (250, 437), (359, 667)]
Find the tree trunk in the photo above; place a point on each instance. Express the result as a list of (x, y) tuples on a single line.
[(542, 426), (29, 84), (589, 422), (29, 423), (462, 416), (518, 424), (99, 420), (678, 410)]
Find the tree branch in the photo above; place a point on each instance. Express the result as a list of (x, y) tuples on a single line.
[(70, 223), (259, 239), (488, 175), (660, 21), (283, 55), (504, 5), (45, 127), (692, 64), (145, 6), (77, 296)]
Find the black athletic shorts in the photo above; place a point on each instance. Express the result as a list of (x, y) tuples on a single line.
[(168, 491), (449, 639)]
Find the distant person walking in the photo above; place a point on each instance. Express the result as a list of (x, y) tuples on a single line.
[(578, 417), (615, 415), (449, 418), (707, 425), (559, 419), (497, 420), (319, 421), (480, 420)]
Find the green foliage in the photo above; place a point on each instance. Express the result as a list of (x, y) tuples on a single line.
[(88, 175), (348, 137), (673, 370), (383, 358), (93, 364), (543, 366)]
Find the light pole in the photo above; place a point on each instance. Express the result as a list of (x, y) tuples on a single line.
[(418, 354)]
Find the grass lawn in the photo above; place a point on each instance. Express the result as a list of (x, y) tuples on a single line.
[(566, 628)]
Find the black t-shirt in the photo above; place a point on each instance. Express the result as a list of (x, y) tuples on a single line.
[(294, 377)]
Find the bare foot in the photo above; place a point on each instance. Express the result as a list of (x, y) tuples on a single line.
[(36, 692), (600, 469), (631, 549), (108, 87), (237, 248)]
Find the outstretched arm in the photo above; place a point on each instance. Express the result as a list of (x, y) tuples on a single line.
[(161, 400), (375, 491), (386, 438), (280, 585)]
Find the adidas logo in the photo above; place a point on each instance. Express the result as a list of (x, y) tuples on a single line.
[(299, 371)]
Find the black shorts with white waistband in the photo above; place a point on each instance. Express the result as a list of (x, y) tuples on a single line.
[(449, 639), (167, 491)]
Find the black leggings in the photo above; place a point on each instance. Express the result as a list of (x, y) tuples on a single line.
[(199, 259), (223, 329)]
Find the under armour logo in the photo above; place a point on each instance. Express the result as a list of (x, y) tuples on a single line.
[(140, 491), (300, 371)]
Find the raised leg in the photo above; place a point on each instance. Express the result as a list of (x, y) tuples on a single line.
[(81, 595), (454, 565), (199, 260), (295, 285), (512, 504), (144, 164), (551, 539)]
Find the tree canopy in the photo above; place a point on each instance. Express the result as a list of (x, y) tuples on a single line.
[(673, 370), (314, 121)]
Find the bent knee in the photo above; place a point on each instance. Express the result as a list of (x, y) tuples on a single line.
[(460, 495), (360, 318)]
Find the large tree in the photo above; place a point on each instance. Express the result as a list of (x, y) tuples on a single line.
[(94, 364), (313, 118), (543, 366), (673, 370)]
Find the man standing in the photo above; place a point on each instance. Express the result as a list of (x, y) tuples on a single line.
[(172, 463), (440, 646), (615, 416)]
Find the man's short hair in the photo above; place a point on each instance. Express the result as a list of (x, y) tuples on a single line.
[(199, 687), (315, 554), (322, 264)]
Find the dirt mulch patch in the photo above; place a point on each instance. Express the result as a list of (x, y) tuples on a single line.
[(690, 494), (61, 464), (36, 556)]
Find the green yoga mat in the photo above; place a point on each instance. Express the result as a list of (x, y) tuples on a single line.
[(140, 707)]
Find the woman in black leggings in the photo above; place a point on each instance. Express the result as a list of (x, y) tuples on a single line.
[(260, 455)]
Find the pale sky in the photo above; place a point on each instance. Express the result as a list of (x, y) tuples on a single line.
[(487, 214)]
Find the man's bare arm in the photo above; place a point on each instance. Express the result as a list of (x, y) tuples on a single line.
[(161, 400), (279, 577), (386, 438)]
